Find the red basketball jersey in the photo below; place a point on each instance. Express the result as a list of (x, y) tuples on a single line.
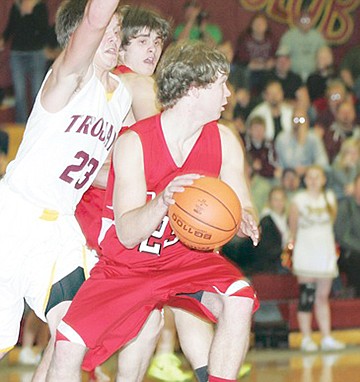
[(205, 158)]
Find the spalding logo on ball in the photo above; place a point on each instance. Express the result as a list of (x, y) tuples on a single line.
[(206, 215)]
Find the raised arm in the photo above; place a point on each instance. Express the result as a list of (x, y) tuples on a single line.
[(73, 67)]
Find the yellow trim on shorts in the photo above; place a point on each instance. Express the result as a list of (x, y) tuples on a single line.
[(86, 270), (6, 350), (49, 215), (49, 287)]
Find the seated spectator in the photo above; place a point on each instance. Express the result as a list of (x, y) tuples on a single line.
[(343, 127), (300, 147), (335, 93), (276, 112), (347, 234), (255, 49), (345, 168), (303, 41), (261, 150), (4, 148), (238, 76), (274, 234), (295, 91), (196, 25), (244, 104), (317, 81)]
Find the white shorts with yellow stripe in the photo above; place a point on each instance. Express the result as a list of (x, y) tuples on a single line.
[(38, 248)]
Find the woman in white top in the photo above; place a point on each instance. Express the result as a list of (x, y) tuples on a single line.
[(311, 217)]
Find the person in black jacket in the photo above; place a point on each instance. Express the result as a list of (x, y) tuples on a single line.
[(274, 234), (27, 29)]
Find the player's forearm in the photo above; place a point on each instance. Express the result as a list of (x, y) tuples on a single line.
[(137, 225), (99, 12)]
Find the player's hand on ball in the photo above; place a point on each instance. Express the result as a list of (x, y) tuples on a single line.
[(177, 185), (249, 227)]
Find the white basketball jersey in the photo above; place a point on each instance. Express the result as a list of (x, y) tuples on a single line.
[(62, 152)]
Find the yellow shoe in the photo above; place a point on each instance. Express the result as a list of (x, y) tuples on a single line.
[(166, 367), (244, 370)]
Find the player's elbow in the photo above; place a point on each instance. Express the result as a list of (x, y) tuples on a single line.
[(127, 240)]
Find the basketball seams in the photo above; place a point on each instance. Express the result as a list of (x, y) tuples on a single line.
[(218, 200), (201, 221)]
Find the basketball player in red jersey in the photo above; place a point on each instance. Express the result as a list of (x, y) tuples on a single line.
[(144, 266), (142, 37)]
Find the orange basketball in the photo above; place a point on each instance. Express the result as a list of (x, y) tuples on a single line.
[(206, 215)]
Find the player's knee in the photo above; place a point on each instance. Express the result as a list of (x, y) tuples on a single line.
[(307, 297), (236, 306)]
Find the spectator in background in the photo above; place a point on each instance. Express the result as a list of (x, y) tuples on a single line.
[(255, 49), (295, 92), (350, 69), (290, 182), (196, 25), (311, 217), (317, 80), (244, 104), (27, 28), (347, 233), (276, 112), (345, 168), (303, 41), (335, 93), (274, 234), (4, 149), (238, 77), (300, 147), (343, 127), (261, 150)]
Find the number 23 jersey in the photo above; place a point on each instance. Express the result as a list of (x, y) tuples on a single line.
[(62, 152)]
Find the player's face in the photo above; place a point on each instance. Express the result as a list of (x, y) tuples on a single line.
[(143, 52), (214, 97), (108, 51)]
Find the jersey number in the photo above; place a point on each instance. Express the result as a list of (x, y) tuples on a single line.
[(158, 234), (69, 173)]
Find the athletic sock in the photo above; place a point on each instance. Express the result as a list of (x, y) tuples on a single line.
[(202, 374), (217, 379)]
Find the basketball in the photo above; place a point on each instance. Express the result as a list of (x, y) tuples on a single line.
[(206, 215)]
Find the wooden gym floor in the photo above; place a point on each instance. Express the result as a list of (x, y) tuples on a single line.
[(268, 365)]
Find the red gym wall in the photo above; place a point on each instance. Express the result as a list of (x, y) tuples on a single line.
[(339, 20)]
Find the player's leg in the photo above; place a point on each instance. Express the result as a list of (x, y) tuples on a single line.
[(66, 362), (53, 319), (231, 338), (134, 358), (195, 336), (166, 365)]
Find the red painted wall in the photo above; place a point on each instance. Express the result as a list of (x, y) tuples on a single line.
[(339, 20)]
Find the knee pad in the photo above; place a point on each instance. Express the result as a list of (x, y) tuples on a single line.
[(306, 297)]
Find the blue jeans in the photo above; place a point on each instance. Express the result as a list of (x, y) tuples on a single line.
[(26, 66)]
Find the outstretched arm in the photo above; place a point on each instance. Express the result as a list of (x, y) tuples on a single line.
[(73, 67)]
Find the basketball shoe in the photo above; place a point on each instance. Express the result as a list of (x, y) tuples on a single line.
[(167, 367), (330, 343), (244, 370)]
